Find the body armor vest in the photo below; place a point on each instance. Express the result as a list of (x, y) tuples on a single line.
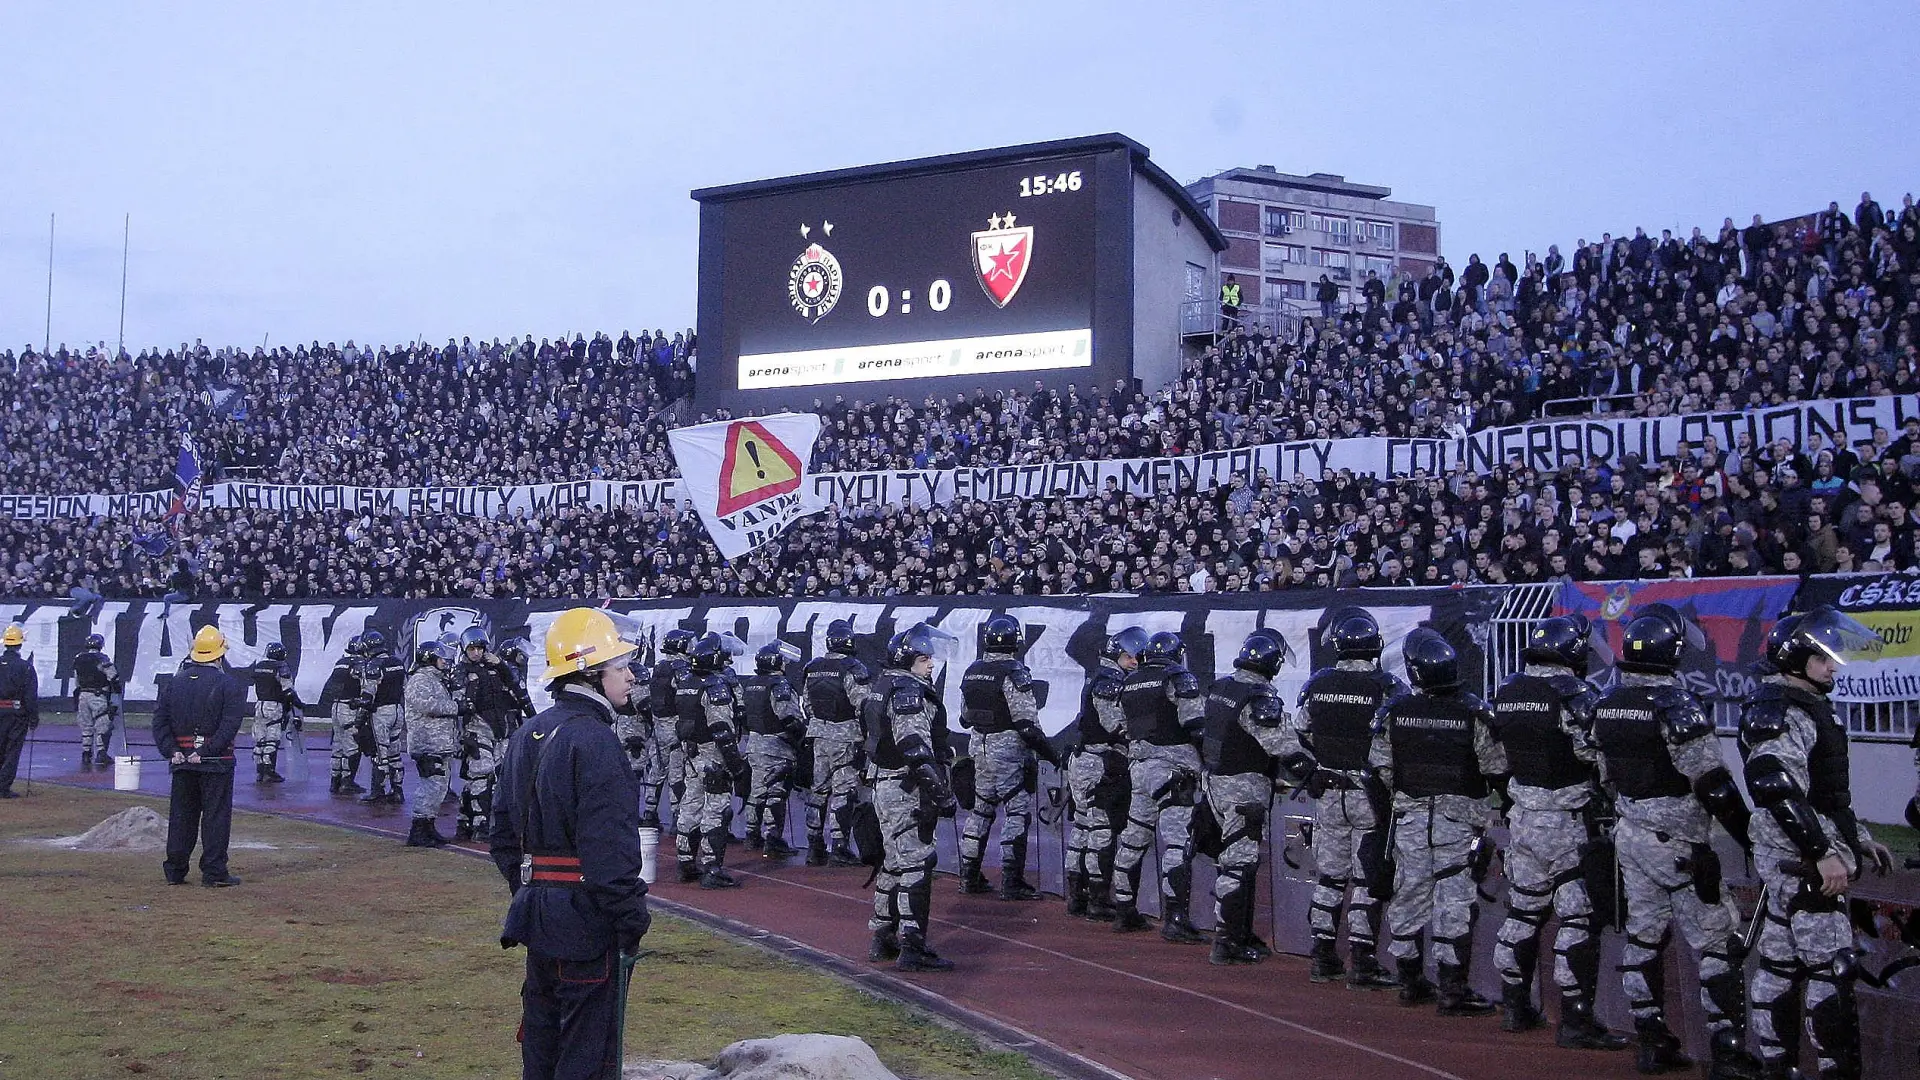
[(825, 679), (1634, 744), (1432, 739), (90, 672), (1151, 715), (1104, 684), (663, 688), (1340, 709), (1527, 721), (756, 705), (983, 695), (1227, 749), (266, 682)]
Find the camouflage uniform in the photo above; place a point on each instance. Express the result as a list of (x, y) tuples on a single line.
[(1163, 705), (1656, 745), (433, 737), (905, 730), (275, 704), (1544, 720), (1240, 751), (1097, 781), (388, 720), (836, 688), (1806, 942), (1333, 728), (95, 683), (997, 704), (1435, 753), (349, 714), (709, 731), (776, 721), (666, 759)]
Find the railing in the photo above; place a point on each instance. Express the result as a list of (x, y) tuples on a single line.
[(1584, 406), (1879, 721), (1278, 316)]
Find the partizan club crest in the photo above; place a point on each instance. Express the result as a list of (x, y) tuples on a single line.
[(1001, 256), (813, 285)]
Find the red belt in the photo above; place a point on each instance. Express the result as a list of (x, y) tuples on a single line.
[(11, 703), (560, 870)]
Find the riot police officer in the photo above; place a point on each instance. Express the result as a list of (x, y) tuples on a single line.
[(1807, 845), (709, 730), (1240, 751), (998, 705), (1543, 717), (492, 694), (275, 704), (1658, 748), (387, 720), (565, 833), (667, 770), (776, 722), (906, 732), (349, 709), (19, 705), (95, 682), (434, 717), (836, 687), (1327, 741), (1097, 778), (1433, 747), (1163, 703), (514, 651), (196, 717)]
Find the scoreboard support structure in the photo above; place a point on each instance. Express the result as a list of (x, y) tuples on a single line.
[(1058, 263)]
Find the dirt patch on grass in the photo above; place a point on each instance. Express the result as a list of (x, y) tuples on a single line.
[(313, 969)]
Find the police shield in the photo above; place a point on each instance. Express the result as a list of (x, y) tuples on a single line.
[(293, 748), (117, 732)]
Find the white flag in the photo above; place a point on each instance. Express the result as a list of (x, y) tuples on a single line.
[(748, 478)]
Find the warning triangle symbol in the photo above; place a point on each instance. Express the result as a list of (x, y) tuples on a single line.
[(756, 467)]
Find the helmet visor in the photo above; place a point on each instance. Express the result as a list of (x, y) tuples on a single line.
[(932, 641), (1842, 638), (1696, 638), (788, 653)]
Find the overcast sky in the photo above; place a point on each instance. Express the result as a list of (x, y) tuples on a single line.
[(382, 171)]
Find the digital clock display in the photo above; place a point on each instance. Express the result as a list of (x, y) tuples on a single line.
[(931, 277)]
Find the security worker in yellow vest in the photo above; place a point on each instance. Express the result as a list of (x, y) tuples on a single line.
[(1229, 303), (196, 716)]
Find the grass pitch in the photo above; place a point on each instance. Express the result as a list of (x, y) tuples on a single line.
[(346, 954)]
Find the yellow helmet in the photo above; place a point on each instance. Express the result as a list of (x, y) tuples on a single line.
[(582, 639), (13, 635), (208, 645)]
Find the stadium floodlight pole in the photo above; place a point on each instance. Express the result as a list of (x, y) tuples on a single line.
[(46, 343), (126, 241)]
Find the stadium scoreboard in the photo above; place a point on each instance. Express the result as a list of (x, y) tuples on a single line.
[(991, 269)]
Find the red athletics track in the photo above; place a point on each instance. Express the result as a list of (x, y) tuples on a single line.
[(1130, 1003)]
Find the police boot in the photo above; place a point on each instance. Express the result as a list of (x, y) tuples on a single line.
[(419, 833), (394, 795), (1368, 974), (776, 843), (915, 955), (433, 834), (816, 851), (378, 794), (1176, 927), (259, 770), (843, 856), (715, 875), (333, 786), (754, 842), (1326, 965), (1456, 997), (885, 947), (689, 871), (1076, 894), (1014, 884), (1516, 1008), (348, 786), (650, 820), (1660, 1050), (273, 766), (1731, 1059), (1230, 945), (972, 881), (1229, 952), (1580, 1031), (462, 832), (86, 758), (102, 758), (1415, 989), (1100, 900)]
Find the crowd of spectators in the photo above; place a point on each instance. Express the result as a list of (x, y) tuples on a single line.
[(1823, 307)]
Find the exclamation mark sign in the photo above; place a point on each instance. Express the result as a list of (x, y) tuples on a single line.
[(753, 451)]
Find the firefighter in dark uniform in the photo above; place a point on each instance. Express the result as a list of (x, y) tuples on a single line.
[(1543, 716), (906, 729), (1097, 778), (997, 703), (95, 682), (1808, 844), (836, 687), (565, 833), (776, 724), (19, 705), (1163, 704), (1434, 749), (1240, 751), (276, 707), (196, 717), (669, 766), (1327, 740), (709, 730), (493, 693), (1658, 750)]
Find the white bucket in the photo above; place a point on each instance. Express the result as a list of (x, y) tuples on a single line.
[(126, 774), (649, 854)]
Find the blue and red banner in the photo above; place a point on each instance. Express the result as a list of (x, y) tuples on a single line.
[(1734, 613)]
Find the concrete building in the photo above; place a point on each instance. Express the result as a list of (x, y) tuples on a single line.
[(1283, 231)]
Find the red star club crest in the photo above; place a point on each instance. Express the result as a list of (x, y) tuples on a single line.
[(1001, 256)]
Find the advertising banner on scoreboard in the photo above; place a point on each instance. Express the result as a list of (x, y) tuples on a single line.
[(1890, 605), (148, 639), (1546, 446)]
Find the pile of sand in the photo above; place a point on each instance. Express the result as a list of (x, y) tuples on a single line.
[(137, 828)]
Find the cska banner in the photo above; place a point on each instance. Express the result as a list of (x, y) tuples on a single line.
[(748, 478)]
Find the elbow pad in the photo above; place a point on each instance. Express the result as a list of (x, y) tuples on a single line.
[(1297, 767), (1775, 791), (916, 751), (1717, 792)]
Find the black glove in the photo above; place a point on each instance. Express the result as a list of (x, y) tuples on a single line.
[(470, 744), (629, 937), (635, 744)]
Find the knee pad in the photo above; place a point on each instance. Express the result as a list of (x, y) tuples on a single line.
[(428, 766)]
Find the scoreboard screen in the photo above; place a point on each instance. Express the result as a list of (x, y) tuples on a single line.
[(930, 280)]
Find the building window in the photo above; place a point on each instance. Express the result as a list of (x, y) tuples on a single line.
[(1280, 255), (1286, 290), (1281, 221), (1336, 263), (1373, 264), (1338, 230), (1379, 234), (1196, 282)]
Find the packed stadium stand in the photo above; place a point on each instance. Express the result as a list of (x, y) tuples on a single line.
[(1821, 308)]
